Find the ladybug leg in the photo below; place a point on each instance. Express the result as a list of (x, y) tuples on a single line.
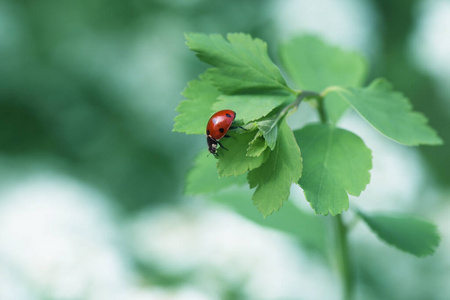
[(226, 135), (222, 146)]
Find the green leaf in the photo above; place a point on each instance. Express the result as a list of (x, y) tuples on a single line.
[(334, 107), (234, 161), (269, 129), (195, 113), (335, 161), (241, 62), (257, 146), (314, 65), (274, 178), (409, 234), (203, 177), (390, 113), (250, 107)]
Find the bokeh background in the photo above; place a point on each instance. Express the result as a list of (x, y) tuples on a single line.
[(92, 176)]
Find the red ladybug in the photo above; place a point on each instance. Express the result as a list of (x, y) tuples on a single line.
[(217, 128)]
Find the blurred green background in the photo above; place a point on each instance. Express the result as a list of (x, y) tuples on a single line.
[(91, 196)]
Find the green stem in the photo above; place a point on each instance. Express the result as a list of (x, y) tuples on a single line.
[(340, 236), (300, 96), (332, 89), (343, 258), (320, 108)]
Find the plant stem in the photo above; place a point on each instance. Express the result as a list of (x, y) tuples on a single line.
[(343, 258), (301, 95), (340, 236), (321, 111)]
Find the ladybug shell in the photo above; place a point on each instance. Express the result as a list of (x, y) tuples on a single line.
[(219, 123)]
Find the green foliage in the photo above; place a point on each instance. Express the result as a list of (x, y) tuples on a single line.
[(250, 107), (314, 65), (390, 113), (334, 107), (203, 177), (241, 62), (274, 178), (235, 161), (195, 113), (257, 145), (269, 129), (409, 234), (335, 161)]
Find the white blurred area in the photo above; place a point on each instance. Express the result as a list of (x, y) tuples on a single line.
[(223, 250), (430, 43), (59, 239), (350, 24)]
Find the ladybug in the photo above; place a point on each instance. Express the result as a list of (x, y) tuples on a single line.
[(217, 128)]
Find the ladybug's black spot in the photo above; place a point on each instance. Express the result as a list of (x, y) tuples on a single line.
[(228, 115), (207, 132), (221, 130)]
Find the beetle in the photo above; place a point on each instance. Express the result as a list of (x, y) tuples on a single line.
[(217, 128)]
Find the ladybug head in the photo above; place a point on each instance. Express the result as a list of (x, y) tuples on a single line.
[(212, 145)]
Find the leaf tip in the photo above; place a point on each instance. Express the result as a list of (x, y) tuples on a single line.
[(409, 234)]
